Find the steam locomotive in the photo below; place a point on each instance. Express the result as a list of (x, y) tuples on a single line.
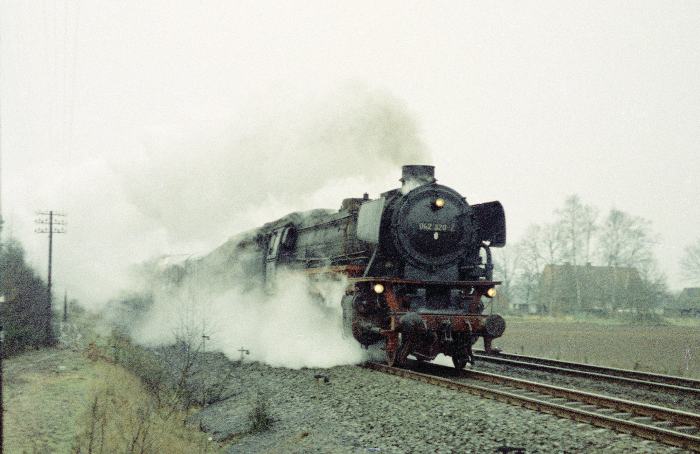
[(417, 261)]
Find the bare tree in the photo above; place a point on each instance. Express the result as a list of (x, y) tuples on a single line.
[(532, 248), (626, 240), (577, 224), (690, 264), (194, 382), (654, 287), (506, 263), (530, 264), (551, 244), (528, 258)]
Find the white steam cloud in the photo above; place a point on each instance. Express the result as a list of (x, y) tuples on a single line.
[(197, 189), (196, 194), (149, 190), (412, 183), (290, 329)]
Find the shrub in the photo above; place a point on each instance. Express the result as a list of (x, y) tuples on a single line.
[(25, 315), (260, 418), (145, 365)]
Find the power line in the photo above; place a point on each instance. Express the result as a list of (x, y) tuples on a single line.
[(71, 110), (1, 181), (50, 225)]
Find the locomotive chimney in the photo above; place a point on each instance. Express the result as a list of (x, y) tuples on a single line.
[(413, 176)]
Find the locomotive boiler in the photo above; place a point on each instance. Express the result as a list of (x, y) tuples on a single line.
[(417, 260)]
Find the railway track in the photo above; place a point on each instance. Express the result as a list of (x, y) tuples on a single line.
[(664, 425), (667, 383)]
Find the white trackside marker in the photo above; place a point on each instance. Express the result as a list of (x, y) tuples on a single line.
[(436, 235)]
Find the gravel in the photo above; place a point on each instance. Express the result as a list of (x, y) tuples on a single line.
[(359, 410)]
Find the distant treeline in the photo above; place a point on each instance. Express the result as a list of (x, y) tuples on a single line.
[(612, 247), (24, 314)]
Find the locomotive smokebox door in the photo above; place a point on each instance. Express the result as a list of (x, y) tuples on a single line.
[(431, 230)]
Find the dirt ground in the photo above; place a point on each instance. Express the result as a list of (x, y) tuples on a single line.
[(673, 348), (45, 392), (47, 395)]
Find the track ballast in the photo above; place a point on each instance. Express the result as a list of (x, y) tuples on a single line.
[(665, 425)]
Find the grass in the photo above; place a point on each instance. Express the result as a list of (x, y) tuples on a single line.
[(60, 401), (44, 394), (669, 347)]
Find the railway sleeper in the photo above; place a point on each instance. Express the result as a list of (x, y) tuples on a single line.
[(590, 407), (530, 394), (663, 424), (643, 419), (690, 430), (574, 403)]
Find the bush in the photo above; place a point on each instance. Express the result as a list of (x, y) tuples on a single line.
[(644, 318), (260, 418), (25, 315), (175, 375), (145, 365)]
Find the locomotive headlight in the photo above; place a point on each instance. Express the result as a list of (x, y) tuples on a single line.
[(439, 202), (491, 292), (378, 288)]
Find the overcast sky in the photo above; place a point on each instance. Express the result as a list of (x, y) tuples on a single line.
[(107, 103)]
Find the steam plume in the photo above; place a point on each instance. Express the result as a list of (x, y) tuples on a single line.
[(201, 193)]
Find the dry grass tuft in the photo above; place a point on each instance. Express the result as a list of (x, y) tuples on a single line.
[(124, 417)]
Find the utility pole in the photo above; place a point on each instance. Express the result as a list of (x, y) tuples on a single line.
[(2, 353), (2, 297), (65, 308), (1, 180), (54, 226), (2, 407), (205, 338)]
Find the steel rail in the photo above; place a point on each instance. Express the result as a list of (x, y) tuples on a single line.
[(616, 375), (611, 371), (678, 417), (648, 431)]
